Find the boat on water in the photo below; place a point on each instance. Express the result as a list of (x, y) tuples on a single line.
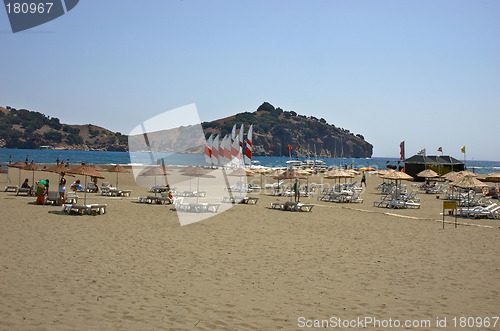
[(317, 165)]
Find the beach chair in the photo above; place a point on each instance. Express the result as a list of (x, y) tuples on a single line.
[(24, 190), (413, 196), (124, 193), (52, 198), (11, 188), (477, 211), (91, 188), (71, 197), (164, 199), (250, 200), (304, 207), (277, 205), (355, 197)]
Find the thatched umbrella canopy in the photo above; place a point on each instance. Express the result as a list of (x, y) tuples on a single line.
[(19, 165), (428, 173), (198, 172), (493, 177), (467, 173), (383, 172), (117, 168), (468, 182), (339, 174), (451, 176), (262, 172), (85, 170), (160, 170), (240, 172), (58, 168), (96, 167), (398, 175)]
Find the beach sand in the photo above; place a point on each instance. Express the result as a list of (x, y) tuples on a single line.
[(248, 268)]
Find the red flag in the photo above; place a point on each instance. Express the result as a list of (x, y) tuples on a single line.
[(440, 149), (289, 147)]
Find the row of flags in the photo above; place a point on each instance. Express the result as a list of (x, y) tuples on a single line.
[(440, 149), (422, 151), (232, 151)]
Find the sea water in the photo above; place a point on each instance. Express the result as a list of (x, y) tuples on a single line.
[(102, 157)]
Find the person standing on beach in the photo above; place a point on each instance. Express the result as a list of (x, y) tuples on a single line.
[(62, 189), (363, 179), (296, 190), (27, 158), (58, 161)]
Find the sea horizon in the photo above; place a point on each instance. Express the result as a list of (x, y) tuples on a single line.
[(50, 156)]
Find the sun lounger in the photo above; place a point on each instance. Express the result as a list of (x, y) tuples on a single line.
[(11, 188), (479, 211), (91, 188), (381, 204), (71, 198), (149, 199), (52, 197), (278, 205), (304, 207), (198, 207), (250, 200), (82, 209), (23, 190)]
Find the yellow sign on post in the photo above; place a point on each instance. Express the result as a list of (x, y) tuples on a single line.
[(450, 205)]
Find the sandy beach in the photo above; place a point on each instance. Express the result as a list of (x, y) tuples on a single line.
[(248, 268)]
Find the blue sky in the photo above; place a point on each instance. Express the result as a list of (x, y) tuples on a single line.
[(426, 72)]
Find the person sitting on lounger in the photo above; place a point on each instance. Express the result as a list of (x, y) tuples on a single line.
[(76, 186), (26, 185)]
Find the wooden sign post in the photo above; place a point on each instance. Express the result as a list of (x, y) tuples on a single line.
[(450, 205)]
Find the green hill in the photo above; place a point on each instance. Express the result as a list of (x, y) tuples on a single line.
[(275, 129), (29, 129)]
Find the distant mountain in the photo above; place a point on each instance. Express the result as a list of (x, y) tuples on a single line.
[(29, 129), (275, 129)]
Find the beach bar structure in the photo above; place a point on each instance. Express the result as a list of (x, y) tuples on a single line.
[(440, 164)]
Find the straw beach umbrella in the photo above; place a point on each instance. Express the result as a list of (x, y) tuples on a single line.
[(117, 168), (397, 175), (33, 167), (428, 173), (241, 172), (157, 170), (468, 182), (339, 174), (451, 176), (85, 170)]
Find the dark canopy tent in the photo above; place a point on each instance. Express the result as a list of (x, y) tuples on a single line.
[(440, 164)]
